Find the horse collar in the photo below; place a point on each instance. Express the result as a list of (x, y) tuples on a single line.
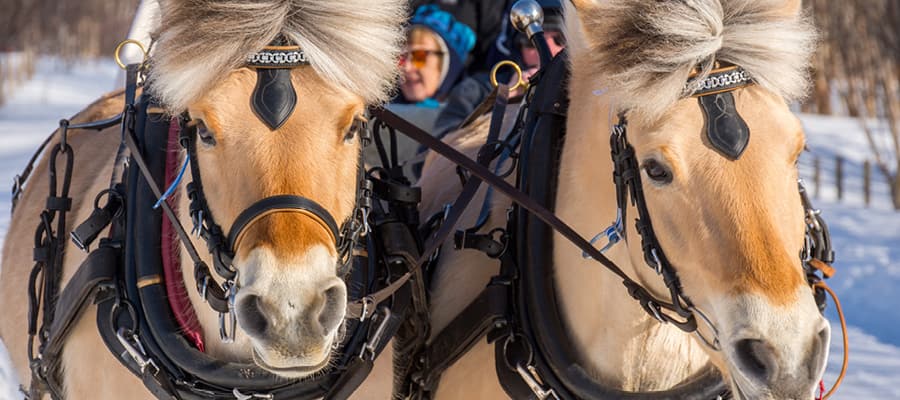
[(274, 98), (726, 131)]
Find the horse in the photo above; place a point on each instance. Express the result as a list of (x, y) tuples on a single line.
[(726, 211), (288, 298)]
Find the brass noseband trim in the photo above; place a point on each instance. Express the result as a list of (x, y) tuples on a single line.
[(310, 214)]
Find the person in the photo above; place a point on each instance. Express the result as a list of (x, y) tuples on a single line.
[(432, 63), (512, 45), (486, 17), (434, 60)]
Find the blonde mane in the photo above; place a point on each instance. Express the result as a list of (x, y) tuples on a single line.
[(643, 51), (352, 43)]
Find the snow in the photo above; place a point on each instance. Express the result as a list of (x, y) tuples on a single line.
[(866, 239)]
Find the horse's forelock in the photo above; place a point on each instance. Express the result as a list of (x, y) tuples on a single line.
[(352, 43), (644, 51)]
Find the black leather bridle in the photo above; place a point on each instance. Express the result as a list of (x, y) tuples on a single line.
[(223, 247)]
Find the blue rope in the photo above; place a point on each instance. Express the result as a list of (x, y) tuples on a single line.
[(171, 189)]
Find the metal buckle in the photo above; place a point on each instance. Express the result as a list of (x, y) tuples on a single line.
[(17, 186), (655, 310), (241, 396), (136, 351), (224, 334), (371, 344), (613, 234), (366, 301), (715, 344), (532, 379)]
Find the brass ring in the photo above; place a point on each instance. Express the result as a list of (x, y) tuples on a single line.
[(519, 83), (119, 50)]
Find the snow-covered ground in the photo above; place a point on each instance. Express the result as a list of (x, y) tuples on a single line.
[(866, 239)]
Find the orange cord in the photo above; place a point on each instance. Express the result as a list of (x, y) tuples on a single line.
[(837, 305)]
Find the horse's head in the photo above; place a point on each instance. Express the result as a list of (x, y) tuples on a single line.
[(729, 218), (265, 131)]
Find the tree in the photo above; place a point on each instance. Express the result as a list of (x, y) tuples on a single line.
[(859, 59)]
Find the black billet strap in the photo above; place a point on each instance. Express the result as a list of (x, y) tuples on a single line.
[(280, 204), (470, 188), (98, 268), (487, 312)]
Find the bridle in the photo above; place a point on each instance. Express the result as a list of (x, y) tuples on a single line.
[(273, 100)]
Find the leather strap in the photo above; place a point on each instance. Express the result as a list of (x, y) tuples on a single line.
[(281, 204)]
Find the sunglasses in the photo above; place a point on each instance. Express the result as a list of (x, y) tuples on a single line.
[(417, 57), (557, 38)]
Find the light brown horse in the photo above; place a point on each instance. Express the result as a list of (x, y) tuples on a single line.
[(732, 229), (286, 262)]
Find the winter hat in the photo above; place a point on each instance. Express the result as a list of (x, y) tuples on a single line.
[(457, 40)]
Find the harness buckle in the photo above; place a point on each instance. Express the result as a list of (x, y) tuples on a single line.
[(248, 396), (372, 343), (613, 234), (533, 380), (136, 351), (227, 330)]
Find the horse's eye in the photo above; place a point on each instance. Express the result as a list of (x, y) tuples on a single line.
[(206, 136), (657, 172)]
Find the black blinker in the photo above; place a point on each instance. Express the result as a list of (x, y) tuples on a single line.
[(273, 98), (726, 130)]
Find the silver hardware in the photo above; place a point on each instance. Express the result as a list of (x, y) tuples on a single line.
[(655, 310), (135, 349), (203, 287), (197, 230), (715, 345), (278, 57), (366, 302), (613, 234), (241, 396), (371, 343), (658, 266), (527, 16), (533, 380), (227, 329)]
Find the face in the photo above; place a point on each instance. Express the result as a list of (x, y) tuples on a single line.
[(421, 64), (733, 231), (555, 41), (290, 302)]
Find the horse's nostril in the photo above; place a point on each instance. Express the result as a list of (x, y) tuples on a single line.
[(335, 304), (757, 359), (251, 316)]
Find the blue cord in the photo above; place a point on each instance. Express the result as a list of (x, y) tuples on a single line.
[(171, 189)]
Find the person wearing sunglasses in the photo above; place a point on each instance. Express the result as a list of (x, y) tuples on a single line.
[(434, 60), (432, 63)]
